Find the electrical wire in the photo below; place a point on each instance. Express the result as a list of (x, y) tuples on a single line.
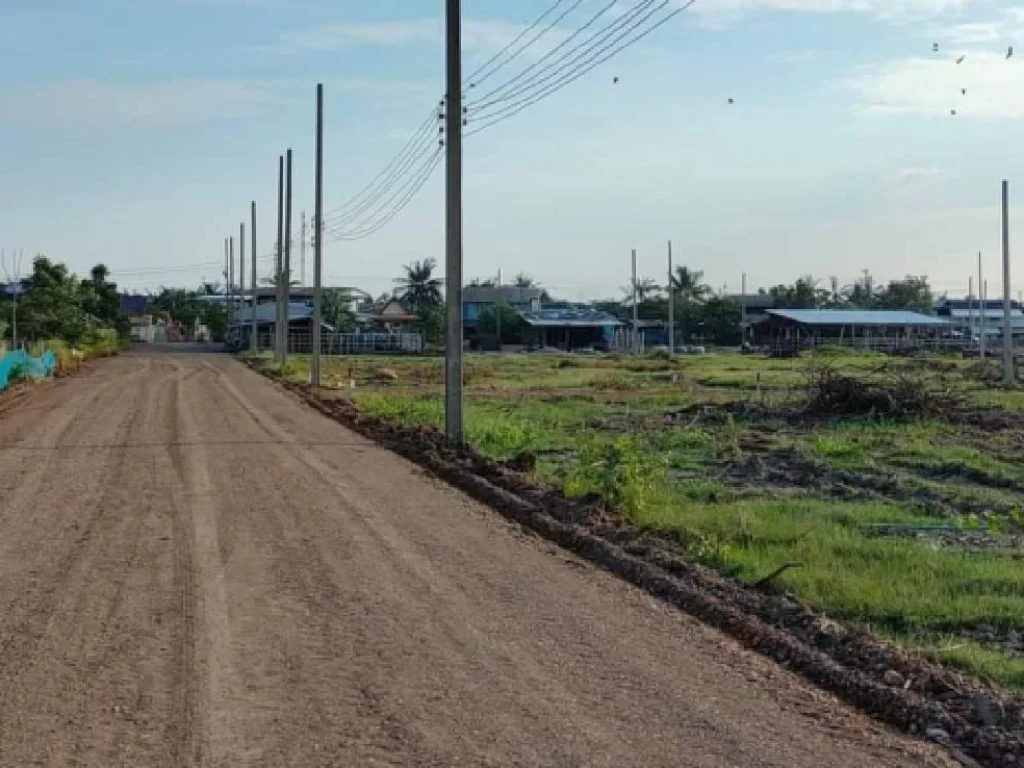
[(367, 219), (524, 73), (417, 135), (515, 108), (469, 79), (425, 146), (561, 17), (419, 182)]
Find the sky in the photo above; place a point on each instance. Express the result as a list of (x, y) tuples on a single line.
[(135, 133)]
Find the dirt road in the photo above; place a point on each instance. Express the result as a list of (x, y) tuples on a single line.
[(195, 570)]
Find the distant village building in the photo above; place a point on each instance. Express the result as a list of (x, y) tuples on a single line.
[(802, 327), (966, 316), (476, 300), (570, 328)]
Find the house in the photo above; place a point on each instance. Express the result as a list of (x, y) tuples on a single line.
[(478, 299), (300, 322), (142, 329), (797, 327), (570, 328), (965, 315), (390, 316)]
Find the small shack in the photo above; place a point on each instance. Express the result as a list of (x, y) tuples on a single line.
[(797, 328), (569, 328)]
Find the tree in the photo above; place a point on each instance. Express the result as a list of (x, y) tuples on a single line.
[(336, 308), (803, 294), (477, 282), (720, 320), (911, 293), (688, 284), (418, 288), (523, 280), (511, 323), (646, 288), (430, 322)]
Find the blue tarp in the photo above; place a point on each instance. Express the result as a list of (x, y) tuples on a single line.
[(36, 367)]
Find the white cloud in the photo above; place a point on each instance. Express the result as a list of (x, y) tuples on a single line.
[(388, 34), (994, 85), (103, 105), (478, 35), (911, 175), (722, 12), (795, 57)]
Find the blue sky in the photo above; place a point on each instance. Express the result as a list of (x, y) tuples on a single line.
[(136, 132)]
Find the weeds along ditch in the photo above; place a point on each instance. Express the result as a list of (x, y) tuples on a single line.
[(882, 493)]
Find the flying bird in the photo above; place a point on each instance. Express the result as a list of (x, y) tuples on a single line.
[(963, 91), (732, 100), (960, 60), (1009, 52), (615, 80), (952, 112), (935, 47)]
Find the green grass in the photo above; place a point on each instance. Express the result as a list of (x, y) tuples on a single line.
[(597, 426)]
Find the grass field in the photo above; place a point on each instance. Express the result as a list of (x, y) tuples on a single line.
[(914, 528)]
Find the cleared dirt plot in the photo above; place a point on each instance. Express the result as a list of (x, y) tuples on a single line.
[(880, 492), (198, 570)]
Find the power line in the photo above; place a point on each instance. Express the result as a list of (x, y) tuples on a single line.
[(590, 22), (416, 137), (418, 183), (515, 108), (474, 83), (395, 178)]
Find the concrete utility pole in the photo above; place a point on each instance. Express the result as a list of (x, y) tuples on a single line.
[(241, 280), (302, 252), (1008, 376), (636, 312), (227, 273), (982, 308), (255, 346), (287, 255), (497, 309), (671, 307), (970, 310), (230, 280), (314, 368), (743, 308), (279, 261), (453, 222)]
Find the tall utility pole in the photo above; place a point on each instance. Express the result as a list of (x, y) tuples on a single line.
[(497, 310), (287, 254), (318, 212), (255, 343), (453, 224), (636, 312), (278, 262), (970, 310), (227, 273), (671, 307), (241, 281), (982, 308), (743, 308), (302, 252), (1008, 377), (231, 279)]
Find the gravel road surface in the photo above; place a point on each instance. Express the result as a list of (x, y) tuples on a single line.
[(197, 570)]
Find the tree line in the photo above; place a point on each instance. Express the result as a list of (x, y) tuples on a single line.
[(53, 304)]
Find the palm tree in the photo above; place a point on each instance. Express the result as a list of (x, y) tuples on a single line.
[(418, 287), (689, 284), (646, 288)]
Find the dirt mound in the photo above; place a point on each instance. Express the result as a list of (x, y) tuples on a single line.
[(858, 667)]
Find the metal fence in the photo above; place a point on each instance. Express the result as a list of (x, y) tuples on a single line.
[(355, 343)]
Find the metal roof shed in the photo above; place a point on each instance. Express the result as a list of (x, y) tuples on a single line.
[(861, 318), (573, 327)]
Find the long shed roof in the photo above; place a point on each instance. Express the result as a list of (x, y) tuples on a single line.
[(858, 317)]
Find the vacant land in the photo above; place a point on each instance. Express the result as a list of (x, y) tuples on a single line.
[(199, 571), (909, 522)]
